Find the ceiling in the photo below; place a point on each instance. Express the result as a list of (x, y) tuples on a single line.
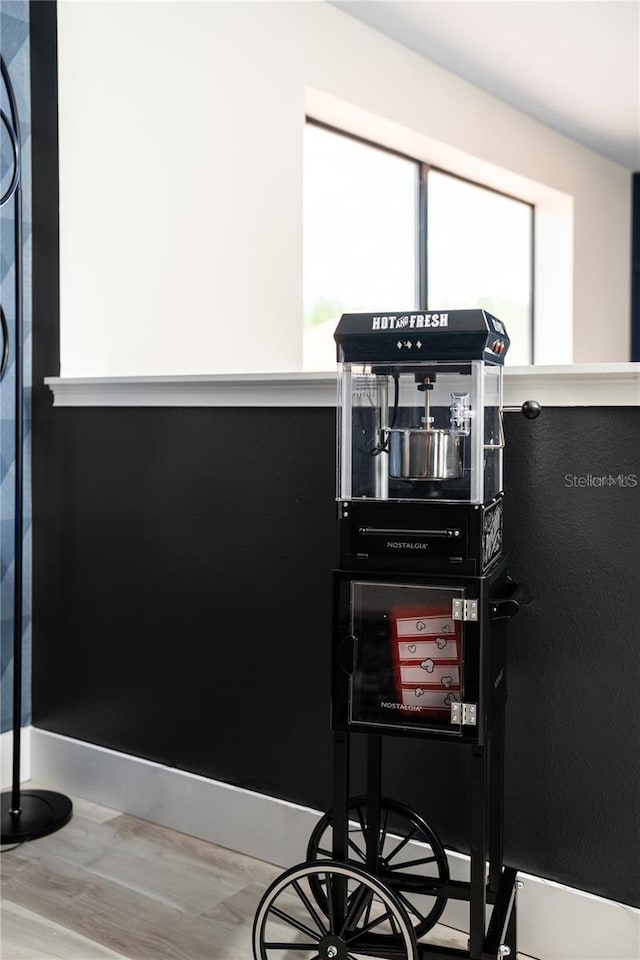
[(572, 64)]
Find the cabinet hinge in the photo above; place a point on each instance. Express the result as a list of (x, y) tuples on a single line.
[(464, 714), (464, 609)]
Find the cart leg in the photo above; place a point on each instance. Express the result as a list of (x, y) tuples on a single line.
[(512, 936), (341, 757), (496, 801), (478, 891), (374, 779)]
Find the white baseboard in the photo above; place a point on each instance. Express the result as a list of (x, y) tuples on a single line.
[(6, 757), (251, 823), (554, 922)]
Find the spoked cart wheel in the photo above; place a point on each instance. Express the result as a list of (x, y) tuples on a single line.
[(408, 851), (363, 919)]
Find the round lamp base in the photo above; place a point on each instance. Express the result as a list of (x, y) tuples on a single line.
[(41, 812)]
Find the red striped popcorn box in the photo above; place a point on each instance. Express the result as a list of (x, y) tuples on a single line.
[(426, 656)]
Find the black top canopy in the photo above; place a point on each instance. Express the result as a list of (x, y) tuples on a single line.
[(438, 335)]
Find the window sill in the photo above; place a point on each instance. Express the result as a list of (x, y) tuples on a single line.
[(580, 385)]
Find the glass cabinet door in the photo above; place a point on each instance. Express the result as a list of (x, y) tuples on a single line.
[(408, 665)]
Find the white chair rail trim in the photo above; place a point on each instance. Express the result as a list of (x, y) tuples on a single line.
[(581, 385)]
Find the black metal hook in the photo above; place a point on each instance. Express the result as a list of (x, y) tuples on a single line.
[(4, 359), (15, 147), (12, 124), (13, 106)]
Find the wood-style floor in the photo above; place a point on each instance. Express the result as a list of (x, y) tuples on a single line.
[(111, 887)]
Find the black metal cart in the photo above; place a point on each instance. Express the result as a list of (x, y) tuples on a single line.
[(421, 602)]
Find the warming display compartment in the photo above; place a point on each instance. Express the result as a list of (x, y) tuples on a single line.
[(408, 656), (418, 656)]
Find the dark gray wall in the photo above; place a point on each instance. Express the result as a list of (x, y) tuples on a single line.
[(182, 613)]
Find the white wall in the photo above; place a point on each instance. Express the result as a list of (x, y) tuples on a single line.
[(181, 180)]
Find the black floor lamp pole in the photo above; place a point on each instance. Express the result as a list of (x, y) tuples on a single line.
[(33, 813)]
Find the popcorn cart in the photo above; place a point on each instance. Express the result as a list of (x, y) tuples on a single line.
[(421, 602)]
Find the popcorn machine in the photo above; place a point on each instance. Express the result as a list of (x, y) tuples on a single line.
[(421, 602)]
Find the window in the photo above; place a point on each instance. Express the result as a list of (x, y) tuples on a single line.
[(479, 254), (365, 250), (360, 243)]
